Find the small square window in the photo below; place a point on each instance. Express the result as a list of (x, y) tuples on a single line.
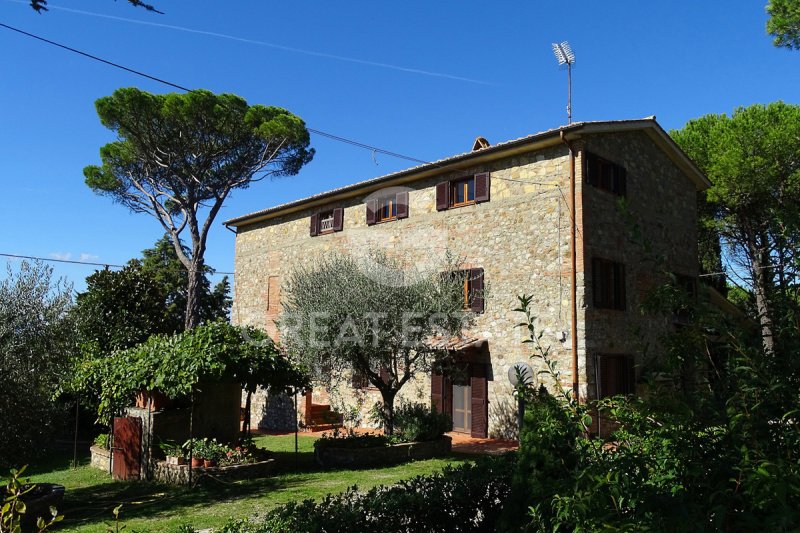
[(462, 192), (606, 175), (326, 222), (387, 209)]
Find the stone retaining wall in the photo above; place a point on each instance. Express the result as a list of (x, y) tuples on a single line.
[(179, 474), (330, 456)]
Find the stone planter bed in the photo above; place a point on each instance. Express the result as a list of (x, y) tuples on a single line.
[(179, 474), (332, 457), (101, 458)]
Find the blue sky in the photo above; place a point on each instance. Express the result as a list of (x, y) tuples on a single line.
[(418, 78)]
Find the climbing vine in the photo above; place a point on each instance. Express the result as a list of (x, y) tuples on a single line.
[(174, 364)]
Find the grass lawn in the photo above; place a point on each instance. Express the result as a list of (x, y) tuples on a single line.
[(91, 493)]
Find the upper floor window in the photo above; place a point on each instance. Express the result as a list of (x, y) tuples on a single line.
[(327, 221), (608, 284), (606, 175), (472, 288), (682, 309), (386, 208), (463, 191)]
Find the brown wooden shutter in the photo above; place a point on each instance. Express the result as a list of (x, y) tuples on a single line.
[(314, 225), (480, 401), (372, 208), (591, 169), (482, 187), (338, 219), (437, 384), (604, 376), (617, 375), (447, 396), (402, 204), (621, 185), (442, 195), (476, 299), (619, 286), (597, 297), (631, 388)]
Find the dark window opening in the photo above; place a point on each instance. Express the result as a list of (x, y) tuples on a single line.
[(606, 175), (608, 284), (682, 312), (617, 375)]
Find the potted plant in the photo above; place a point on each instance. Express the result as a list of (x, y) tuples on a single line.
[(173, 452), (196, 448), (214, 451)]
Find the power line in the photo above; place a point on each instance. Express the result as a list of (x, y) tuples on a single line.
[(88, 263), (339, 138), (53, 260), (182, 88), (90, 56)]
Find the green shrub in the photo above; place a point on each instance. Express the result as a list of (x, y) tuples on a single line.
[(418, 422), (349, 439), (103, 440), (468, 497), (546, 459)]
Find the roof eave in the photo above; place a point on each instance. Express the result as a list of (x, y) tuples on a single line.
[(535, 142), (484, 155)]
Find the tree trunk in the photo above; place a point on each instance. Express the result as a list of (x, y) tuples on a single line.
[(388, 395), (761, 286), (193, 288)]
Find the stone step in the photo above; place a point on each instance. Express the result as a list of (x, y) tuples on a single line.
[(322, 427)]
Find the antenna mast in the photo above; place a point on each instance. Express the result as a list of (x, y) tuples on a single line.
[(565, 56)]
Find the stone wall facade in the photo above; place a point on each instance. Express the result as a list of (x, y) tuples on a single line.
[(661, 203), (520, 237)]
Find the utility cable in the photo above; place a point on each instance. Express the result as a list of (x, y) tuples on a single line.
[(88, 263), (338, 138)]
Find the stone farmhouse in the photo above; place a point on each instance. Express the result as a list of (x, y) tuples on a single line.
[(538, 215)]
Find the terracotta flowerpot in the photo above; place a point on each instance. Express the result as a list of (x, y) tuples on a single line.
[(209, 463), (176, 461), (197, 462)]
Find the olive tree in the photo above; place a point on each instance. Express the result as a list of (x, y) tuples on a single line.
[(36, 339), (374, 316)]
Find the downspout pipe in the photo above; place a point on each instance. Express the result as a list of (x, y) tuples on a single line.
[(573, 268)]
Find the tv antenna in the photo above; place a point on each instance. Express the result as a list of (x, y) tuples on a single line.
[(565, 56)]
